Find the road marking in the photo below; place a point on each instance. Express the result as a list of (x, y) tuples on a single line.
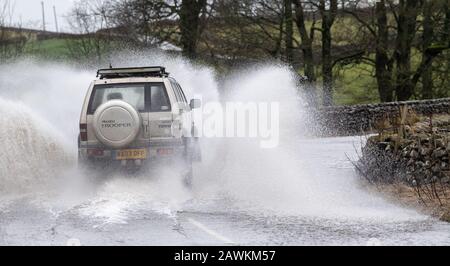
[(211, 232)]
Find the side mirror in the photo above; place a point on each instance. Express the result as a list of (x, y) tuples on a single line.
[(195, 103)]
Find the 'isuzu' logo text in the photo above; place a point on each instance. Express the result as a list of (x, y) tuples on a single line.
[(114, 124)]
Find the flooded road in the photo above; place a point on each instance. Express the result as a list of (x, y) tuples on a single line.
[(303, 192), (137, 211)]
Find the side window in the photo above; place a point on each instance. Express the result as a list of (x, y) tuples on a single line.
[(182, 93), (159, 102), (176, 91)]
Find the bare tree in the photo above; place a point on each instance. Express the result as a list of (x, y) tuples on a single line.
[(387, 33), (153, 22), (245, 30), (396, 37), (147, 23), (435, 40), (406, 18), (427, 40), (264, 20), (383, 64), (328, 11), (12, 37), (89, 19), (306, 46), (289, 31), (190, 25)]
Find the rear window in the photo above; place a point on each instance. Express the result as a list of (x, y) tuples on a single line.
[(142, 96)]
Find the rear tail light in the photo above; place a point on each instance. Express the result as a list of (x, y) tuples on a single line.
[(83, 132)]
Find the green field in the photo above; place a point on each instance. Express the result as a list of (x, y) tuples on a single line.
[(53, 49)]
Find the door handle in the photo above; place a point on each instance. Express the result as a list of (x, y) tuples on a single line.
[(146, 131)]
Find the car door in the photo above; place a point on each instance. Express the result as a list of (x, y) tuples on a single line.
[(133, 93), (182, 116), (160, 112), (187, 114)]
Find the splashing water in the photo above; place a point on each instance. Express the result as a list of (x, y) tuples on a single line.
[(44, 101), (40, 105), (32, 150), (294, 178)]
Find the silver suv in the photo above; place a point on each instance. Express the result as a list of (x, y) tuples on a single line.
[(134, 116)]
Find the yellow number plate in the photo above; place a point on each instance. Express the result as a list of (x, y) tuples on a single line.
[(131, 154)]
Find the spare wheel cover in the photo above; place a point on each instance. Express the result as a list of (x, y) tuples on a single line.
[(116, 123)]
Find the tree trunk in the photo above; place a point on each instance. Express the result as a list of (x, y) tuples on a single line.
[(327, 66), (406, 28), (328, 17), (189, 25), (289, 31), (427, 40), (307, 50), (382, 68)]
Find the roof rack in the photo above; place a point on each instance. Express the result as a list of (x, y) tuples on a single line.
[(153, 71)]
